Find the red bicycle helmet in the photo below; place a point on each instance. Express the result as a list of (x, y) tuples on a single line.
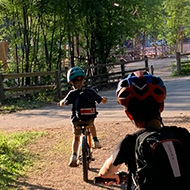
[(142, 90)]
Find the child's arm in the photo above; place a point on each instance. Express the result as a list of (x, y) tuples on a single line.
[(98, 98), (104, 100), (66, 100), (61, 103)]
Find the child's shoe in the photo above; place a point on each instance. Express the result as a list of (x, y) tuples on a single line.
[(73, 161), (97, 144)]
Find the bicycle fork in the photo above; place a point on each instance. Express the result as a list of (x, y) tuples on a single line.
[(87, 146)]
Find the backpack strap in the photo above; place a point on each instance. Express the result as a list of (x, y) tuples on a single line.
[(76, 101), (141, 138), (129, 183)]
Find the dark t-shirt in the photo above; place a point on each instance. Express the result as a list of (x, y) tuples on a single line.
[(72, 96), (125, 150)]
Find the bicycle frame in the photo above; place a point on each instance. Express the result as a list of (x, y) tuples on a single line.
[(86, 132), (86, 147)]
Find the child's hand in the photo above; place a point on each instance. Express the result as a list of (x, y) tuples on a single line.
[(104, 100), (61, 103)]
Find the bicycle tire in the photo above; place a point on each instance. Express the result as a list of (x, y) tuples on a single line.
[(85, 161)]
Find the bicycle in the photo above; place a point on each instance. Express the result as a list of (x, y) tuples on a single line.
[(85, 156)]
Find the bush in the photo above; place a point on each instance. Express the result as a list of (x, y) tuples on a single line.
[(185, 70), (27, 102)]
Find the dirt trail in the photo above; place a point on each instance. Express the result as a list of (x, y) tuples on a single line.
[(51, 172)]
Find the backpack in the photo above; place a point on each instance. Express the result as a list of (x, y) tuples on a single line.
[(162, 161), (85, 106)]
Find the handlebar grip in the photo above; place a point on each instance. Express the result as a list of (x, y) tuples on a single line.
[(123, 176), (103, 180)]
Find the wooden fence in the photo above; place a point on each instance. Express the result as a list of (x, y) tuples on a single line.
[(116, 71), (22, 90), (179, 61)]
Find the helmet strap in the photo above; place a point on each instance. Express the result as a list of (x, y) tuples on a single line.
[(129, 115), (160, 119)]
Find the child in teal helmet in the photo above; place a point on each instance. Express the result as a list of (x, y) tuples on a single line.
[(74, 73), (76, 77)]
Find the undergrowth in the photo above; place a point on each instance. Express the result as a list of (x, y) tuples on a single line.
[(185, 70), (27, 102), (14, 156)]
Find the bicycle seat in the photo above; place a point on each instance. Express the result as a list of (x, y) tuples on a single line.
[(79, 127)]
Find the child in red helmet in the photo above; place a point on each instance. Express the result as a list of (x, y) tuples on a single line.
[(143, 96)]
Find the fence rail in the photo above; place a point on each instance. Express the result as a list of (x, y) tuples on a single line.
[(29, 88), (116, 71), (180, 63)]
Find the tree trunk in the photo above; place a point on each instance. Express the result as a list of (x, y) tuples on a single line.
[(59, 53), (71, 49), (26, 42), (52, 43)]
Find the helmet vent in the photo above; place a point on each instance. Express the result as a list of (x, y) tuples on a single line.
[(140, 82), (124, 94), (155, 80), (157, 91), (141, 90), (124, 83)]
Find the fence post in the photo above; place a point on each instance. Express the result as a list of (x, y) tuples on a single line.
[(2, 95), (146, 63), (178, 59), (122, 68), (58, 84), (152, 69)]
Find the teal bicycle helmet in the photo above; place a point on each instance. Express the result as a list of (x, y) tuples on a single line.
[(75, 73)]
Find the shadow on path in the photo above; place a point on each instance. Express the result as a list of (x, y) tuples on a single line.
[(31, 186)]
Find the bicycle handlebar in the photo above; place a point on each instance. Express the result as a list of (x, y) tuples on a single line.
[(123, 176)]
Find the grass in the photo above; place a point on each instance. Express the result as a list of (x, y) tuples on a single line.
[(64, 147), (14, 156)]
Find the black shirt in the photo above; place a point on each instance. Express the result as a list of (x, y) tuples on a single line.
[(72, 96), (125, 150)]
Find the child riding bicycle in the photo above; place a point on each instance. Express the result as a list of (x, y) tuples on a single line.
[(83, 110)]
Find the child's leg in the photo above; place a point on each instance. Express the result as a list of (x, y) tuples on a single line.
[(93, 130), (75, 144), (94, 135)]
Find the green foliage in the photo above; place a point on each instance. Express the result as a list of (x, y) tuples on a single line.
[(43, 34), (14, 157), (177, 19), (185, 70), (29, 102)]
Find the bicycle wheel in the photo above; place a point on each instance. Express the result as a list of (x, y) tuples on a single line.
[(85, 161)]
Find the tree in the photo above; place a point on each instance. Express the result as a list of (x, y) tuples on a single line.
[(39, 30), (177, 20)]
